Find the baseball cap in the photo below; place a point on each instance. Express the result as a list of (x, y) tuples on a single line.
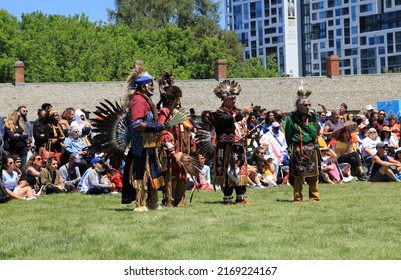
[(381, 145), (96, 160), (75, 157)]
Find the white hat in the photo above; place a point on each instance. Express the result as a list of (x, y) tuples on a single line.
[(369, 107), (266, 157)]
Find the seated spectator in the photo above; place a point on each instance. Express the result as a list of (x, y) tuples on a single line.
[(276, 144), (332, 123), (33, 168), (256, 165), (204, 179), (10, 181), (330, 172), (66, 118), (15, 137), (362, 131), (269, 176), (39, 130), (346, 152), (381, 166), (373, 116), (343, 110), (54, 133), (115, 177), (265, 146), (394, 125), (270, 118), (81, 122), (204, 123), (93, 182), (74, 144), (49, 179), (390, 139), (322, 122), (21, 172), (70, 173), (368, 148), (380, 122)]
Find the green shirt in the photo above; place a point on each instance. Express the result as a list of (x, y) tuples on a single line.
[(293, 131)]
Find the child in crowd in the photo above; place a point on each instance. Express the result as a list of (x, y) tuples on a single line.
[(269, 176), (329, 170)]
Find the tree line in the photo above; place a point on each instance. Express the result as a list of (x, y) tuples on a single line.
[(168, 35)]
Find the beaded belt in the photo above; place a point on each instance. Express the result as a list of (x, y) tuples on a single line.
[(231, 138)]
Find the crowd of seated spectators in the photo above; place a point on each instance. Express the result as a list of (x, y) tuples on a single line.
[(370, 151), (27, 175)]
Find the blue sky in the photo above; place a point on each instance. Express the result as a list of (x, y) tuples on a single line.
[(94, 9)]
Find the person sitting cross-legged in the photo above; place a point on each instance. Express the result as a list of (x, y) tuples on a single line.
[(382, 165), (94, 181)]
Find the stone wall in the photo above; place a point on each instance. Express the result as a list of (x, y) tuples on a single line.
[(272, 93)]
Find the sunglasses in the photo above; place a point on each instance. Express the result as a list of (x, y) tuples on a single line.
[(38, 158), (10, 163)]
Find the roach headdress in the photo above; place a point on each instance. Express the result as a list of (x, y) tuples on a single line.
[(227, 89), (169, 93)]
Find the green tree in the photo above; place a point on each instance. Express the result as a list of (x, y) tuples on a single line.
[(202, 15), (254, 68), (8, 39)]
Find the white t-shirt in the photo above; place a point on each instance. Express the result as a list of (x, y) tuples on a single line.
[(10, 181)]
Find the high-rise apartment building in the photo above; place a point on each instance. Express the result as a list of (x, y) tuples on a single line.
[(364, 34)]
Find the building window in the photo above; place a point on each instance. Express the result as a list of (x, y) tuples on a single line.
[(366, 8), (246, 11), (371, 41)]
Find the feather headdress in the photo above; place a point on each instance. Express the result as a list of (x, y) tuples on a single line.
[(227, 89), (302, 94), (138, 75), (167, 87)]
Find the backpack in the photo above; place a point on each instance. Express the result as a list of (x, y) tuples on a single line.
[(4, 197)]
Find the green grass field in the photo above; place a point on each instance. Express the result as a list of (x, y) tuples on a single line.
[(358, 220)]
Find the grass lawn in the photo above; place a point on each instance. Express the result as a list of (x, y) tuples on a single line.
[(359, 220)]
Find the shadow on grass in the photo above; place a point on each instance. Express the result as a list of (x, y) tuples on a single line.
[(285, 200)]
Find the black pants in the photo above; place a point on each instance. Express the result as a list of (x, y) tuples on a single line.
[(352, 158)]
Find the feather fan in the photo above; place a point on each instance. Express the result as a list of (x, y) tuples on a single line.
[(112, 133), (190, 164), (179, 116), (204, 138)]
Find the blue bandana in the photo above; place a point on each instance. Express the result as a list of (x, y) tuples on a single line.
[(142, 80)]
